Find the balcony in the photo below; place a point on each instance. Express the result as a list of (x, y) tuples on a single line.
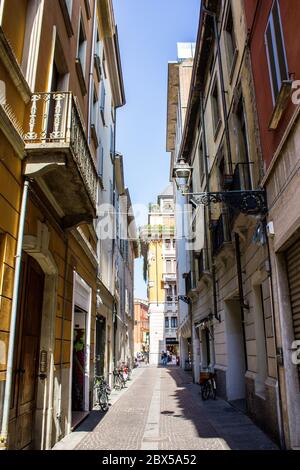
[(156, 232), (171, 299), (59, 159), (171, 332), (169, 277)]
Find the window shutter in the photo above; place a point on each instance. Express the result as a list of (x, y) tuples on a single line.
[(100, 160)]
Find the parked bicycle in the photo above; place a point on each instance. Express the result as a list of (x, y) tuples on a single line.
[(119, 378), (208, 385), (103, 391)]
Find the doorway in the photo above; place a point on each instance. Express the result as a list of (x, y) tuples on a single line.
[(80, 392), (236, 364), (100, 344), (79, 360), (26, 362)]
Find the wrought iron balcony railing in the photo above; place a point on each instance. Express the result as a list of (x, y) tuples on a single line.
[(58, 152)]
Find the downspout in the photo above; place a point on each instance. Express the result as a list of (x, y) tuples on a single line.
[(13, 321), (91, 74), (279, 400), (156, 273), (223, 91), (58, 417)]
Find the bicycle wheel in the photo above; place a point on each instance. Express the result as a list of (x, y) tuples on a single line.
[(205, 391), (104, 401), (213, 389), (117, 384)]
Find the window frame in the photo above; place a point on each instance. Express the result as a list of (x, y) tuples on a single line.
[(230, 58), (215, 99), (275, 51), (67, 15), (102, 100)]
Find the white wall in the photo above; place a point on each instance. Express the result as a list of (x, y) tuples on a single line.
[(156, 326)]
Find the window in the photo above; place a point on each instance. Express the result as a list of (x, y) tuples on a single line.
[(168, 265), (69, 4), (166, 322), (230, 42), (242, 147), (111, 191), (102, 100), (98, 55), (112, 142), (33, 26), (82, 46), (88, 8), (81, 57), (104, 65), (276, 51), (168, 244), (66, 8), (200, 158), (94, 118), (215, 103), (173, 322), (100, 160)]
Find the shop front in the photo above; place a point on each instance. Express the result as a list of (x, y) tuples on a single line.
[(172, 348)]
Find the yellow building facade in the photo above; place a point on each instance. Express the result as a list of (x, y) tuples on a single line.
[(161, 275)]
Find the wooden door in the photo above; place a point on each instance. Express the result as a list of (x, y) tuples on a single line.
[(27, 357)]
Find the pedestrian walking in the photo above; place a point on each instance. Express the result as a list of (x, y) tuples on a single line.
[(165, 358)]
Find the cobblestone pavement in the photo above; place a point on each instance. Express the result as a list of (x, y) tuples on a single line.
[(162, 410)]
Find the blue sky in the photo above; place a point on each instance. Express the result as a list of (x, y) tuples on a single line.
[(148, 34)]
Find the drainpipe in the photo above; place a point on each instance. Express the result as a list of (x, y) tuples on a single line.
[(279, 400), (58, 416), (13, 321), (156, 273), (223, 91)]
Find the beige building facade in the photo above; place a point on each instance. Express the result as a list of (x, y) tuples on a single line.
[(229, 284)]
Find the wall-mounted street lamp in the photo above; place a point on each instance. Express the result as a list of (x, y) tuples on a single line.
[(251, 202), (182, 173)]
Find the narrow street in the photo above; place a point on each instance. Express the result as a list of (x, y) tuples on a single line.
[(149, 222), (162, 410)]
